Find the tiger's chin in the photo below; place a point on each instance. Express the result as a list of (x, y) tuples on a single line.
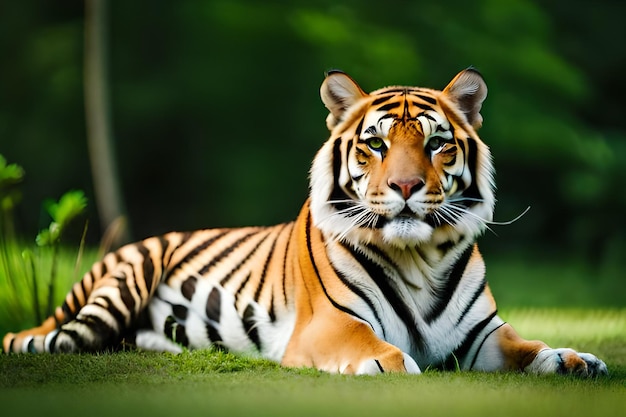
[(404, 231)]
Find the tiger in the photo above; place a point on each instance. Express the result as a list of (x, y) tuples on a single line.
[(379, 273)]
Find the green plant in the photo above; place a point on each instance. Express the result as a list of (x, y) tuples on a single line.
[(20, 268), (69, 206), (10, 176)]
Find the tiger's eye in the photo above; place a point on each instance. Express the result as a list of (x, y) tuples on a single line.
[(376, 144), (435, 143)]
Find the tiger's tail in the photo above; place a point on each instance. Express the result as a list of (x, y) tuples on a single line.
[(101, 307), (42, 337)]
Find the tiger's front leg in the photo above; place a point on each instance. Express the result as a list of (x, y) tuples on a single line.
[(337, 342), (504, 349), (327, 337)]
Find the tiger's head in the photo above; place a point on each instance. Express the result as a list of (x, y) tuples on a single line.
[(403, 165)]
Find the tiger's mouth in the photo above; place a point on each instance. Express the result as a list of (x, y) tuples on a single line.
[(405, 216), (430, 215), (405, 213)]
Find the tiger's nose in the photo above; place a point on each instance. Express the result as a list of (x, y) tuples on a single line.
[(406, 186)]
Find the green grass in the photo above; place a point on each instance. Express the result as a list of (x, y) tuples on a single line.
[(538, 280), (214, 383)]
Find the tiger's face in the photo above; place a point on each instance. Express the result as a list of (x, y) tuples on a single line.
[(403, 165)]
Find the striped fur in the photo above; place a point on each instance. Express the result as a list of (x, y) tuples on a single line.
[(380, 271)]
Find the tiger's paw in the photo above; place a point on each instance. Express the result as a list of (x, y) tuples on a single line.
[(376, 366), (567, 361)]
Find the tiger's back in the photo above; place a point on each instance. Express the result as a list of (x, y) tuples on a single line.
[(379, 272)]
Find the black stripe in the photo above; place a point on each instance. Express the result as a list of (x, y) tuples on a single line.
[(338, 193), (459, 353), (349, 146), (213, 306), (165, 243), (67, 312), (168, 328), (196, 251), (175, 331), (406, 114), (482, 343), (257, 293), (72, 334), (361, 294), (148, 270), (472, 192), (444, 247), (242, 286), (451, 162), (271, 311), (125, 294), (359, 128), (51, 345), (249, 324), (382, 255), (422, 105), (82, 284), (102, 330), (215, 337), (392, 296), (180, 312), (427, 99), (181, 335), (461, 145), (427, 116), (283, 281), (77, 304), (118, 315), (389, 106), (479, 291), (227, 251), (382, 99), (317, 273), (241, 263), (387, 116), (188, 287), (452, 278)]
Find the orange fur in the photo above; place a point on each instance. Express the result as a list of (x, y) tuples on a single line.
[(324, 337), (518, 353)]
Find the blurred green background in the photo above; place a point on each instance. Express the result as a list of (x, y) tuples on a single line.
[(216, 112)]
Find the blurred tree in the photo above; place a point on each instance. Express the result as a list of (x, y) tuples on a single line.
[(218, 116)]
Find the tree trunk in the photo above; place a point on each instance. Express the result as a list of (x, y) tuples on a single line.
[(98, 120)]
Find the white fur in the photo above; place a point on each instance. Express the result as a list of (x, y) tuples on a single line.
[(548, 361), (152, 340)]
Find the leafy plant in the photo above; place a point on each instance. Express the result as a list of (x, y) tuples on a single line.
[(69, 206), (18, 264), (10, 174)]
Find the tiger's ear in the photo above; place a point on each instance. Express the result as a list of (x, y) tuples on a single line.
[(468, 90), (339, 92)]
